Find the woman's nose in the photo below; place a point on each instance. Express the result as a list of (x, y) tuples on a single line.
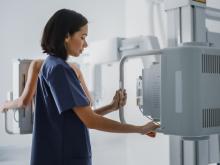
[(85, 45)]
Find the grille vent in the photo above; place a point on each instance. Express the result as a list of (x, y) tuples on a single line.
[(211, 117), (211, 64)]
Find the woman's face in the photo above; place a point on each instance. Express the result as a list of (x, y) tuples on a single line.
[(76, 42)]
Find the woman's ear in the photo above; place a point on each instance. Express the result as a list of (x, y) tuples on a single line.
[(67, 38), (66, 41)]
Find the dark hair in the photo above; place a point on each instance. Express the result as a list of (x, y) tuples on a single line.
[(64, 22)]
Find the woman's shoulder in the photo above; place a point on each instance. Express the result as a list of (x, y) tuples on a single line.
[(36, 64), (73, 65), (52, 66), (75, 68)]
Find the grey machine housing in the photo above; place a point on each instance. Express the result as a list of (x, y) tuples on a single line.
[(183, 91)]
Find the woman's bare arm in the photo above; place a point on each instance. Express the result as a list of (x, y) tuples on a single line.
[(118, 101), (82, 81), (29, 90), (95, 121)]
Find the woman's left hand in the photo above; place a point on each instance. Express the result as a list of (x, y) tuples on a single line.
[(119, 100), (2, 107)]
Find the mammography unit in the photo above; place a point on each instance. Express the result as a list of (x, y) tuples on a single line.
[(184, 91), (19, 121)]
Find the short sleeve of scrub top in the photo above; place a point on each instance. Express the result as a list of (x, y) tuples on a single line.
[(67, 91)]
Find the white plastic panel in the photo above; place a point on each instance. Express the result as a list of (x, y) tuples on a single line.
[(196, 110)]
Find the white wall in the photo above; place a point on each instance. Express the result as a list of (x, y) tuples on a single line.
[(139, 20)]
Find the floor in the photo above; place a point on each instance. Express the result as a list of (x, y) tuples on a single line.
[(107, 149)]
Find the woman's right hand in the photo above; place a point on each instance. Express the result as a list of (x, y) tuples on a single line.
[(149, 129)]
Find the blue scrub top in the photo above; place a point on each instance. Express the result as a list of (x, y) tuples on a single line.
[(59, 136)]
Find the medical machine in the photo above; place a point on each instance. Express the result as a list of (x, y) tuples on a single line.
[(181, 89), (19, 121), (184, 89)]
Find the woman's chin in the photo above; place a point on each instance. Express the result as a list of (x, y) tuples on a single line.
[(74, 55)]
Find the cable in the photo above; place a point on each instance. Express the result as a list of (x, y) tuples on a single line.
[(15, 119)]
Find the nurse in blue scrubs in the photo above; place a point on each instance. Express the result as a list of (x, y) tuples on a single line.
[(63, 113)]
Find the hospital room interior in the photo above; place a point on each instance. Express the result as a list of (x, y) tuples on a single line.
[(165, 53)]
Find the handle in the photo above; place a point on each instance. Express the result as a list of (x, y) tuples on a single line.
[(6, 124), (9, 97), (121, 72)]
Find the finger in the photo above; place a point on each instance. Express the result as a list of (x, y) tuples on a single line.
[(117, 101), (151, 134), (116, 97), (124, 94), (116, 94), (155, 127), (151, 126), (124, 100), (120, 95), (3, 111)]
